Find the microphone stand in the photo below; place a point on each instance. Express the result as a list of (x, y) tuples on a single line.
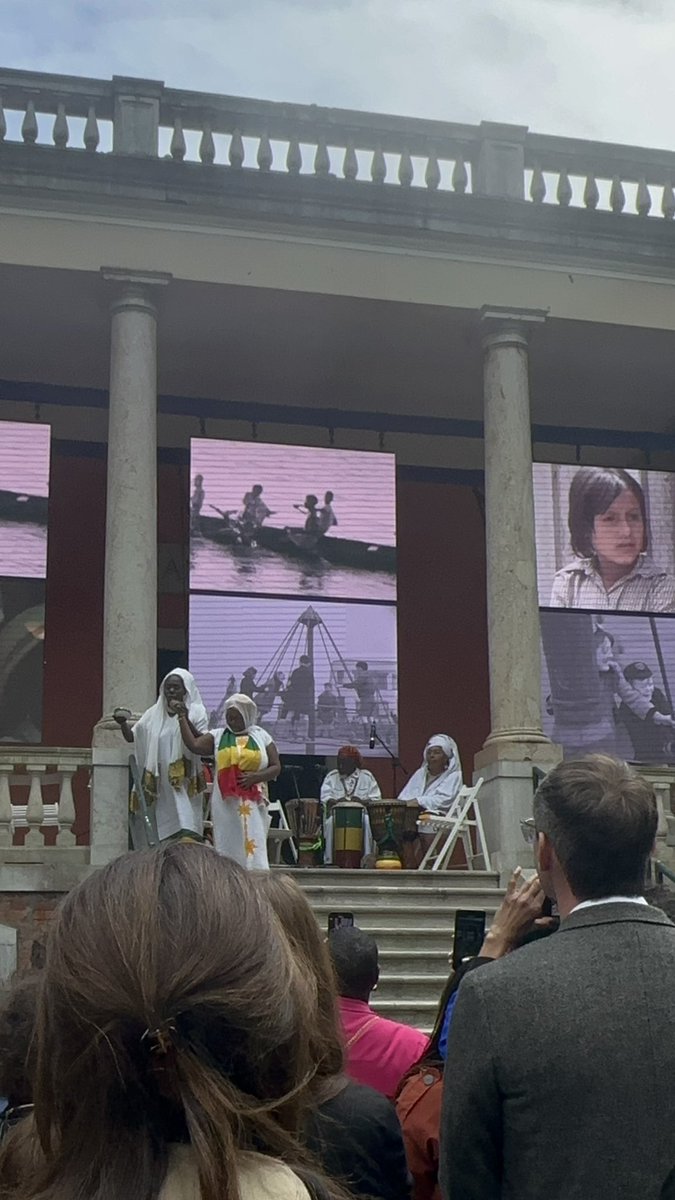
[(396, 763)]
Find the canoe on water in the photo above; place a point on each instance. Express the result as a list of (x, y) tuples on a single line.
[(295, 543), (18, 506)]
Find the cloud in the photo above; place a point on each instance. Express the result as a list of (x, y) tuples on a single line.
[(588, 68)]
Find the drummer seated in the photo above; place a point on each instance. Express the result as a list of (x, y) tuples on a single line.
[(351, 781)]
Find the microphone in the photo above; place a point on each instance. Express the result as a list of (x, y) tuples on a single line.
[(373, 733)]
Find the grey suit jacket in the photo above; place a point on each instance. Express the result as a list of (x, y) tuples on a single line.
[(560, 1074)]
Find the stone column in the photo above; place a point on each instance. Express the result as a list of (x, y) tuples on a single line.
[(516, 742), (130, 601)]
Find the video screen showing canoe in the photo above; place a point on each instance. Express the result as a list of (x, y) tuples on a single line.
[(283, 520), (608, 684), (320, 673), (24, 499)]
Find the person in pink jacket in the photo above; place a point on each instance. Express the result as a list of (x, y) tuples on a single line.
[(379, 1051)]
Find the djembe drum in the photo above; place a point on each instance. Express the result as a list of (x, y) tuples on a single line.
[(347, 834), (304, 818), (411, 852), (387, 821)]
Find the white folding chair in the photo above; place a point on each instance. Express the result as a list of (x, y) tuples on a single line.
[(278, 834), (462, 817)]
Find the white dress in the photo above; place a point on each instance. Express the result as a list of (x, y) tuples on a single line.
[(175, 809), (240, 826), (360, 785), (170, 773)]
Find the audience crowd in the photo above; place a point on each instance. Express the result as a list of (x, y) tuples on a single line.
[(195, 1036)]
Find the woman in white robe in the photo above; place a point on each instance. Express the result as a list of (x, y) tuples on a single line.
[(173, 780), (246, 760), (350, 781), (436, 783)]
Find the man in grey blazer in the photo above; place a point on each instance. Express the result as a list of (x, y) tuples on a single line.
[(560, 1072)]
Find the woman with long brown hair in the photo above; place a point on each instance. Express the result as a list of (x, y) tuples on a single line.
[(171, 1057), (352, 1130)]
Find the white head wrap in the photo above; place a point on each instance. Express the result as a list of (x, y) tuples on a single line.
[(447, 744), (156, 722), (247, 709)]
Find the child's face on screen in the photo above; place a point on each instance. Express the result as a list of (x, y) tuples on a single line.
[(619, 532), (645, 687)]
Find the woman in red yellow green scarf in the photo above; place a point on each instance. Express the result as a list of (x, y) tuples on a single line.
[(246, 760)]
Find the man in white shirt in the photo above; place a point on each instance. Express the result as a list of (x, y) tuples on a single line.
[(351, 781), (561, 1056)]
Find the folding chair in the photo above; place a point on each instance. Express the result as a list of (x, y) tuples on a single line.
[(277, 834), (142, 824), (462, 817)]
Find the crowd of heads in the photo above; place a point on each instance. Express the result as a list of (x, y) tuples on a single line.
[(185, 1000)]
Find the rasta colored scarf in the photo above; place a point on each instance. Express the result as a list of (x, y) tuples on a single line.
[(237, 753)]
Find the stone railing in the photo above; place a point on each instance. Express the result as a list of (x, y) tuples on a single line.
[(37, 806), (145, 119)]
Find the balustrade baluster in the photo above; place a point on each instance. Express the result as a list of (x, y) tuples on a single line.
[(29, 126), (378, 167), (60, 133), (537, 185), (264, 153), (591, 193), (91, 134), (35, 809), (3, 123), (564, 190), (177, 148), (66, 816), (350, 166), (207, 146), (460, 178), (643, 200), (6, 820), (406, 171), (432, 175), (294, 156), (668, 201), (617, 196), (322, 158), (236, 154)]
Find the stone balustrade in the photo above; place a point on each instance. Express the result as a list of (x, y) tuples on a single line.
[(145, 119), (36, 795)]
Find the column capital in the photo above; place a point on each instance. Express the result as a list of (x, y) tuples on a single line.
[(134, 289), (502, 325)]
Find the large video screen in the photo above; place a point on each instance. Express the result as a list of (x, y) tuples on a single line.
[(24, 499), (607, 684), (293, 589), (606, 574), (320, 673), (605, 538)]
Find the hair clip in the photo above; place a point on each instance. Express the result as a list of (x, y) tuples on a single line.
[(160, 1040)]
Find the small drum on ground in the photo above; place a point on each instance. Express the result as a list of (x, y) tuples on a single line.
[(304, 818), (388, 822), (348, 834)]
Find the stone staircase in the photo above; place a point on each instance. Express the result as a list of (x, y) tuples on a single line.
[(411, 915)]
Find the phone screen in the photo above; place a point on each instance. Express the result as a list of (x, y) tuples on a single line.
[(469, 935), (340, 920)]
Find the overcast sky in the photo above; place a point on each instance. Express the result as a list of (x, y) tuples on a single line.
[(590, 68)]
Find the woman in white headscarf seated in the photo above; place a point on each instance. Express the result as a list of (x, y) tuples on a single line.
[(173, 779), (436, 784), (246, 760)]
